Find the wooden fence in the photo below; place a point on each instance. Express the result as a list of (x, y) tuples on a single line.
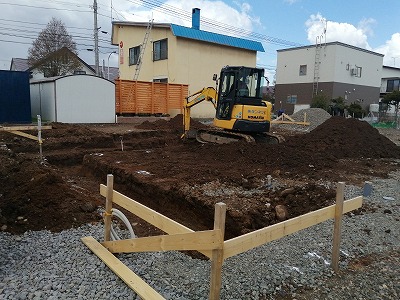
[(142, 97), (210, 242)]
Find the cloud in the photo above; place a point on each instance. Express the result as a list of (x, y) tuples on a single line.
[(291, 1), (366, 26), (342, 32), (391, 50), (212, 10), (352, 35)]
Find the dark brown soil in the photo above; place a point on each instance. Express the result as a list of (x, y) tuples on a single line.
[(182, 178)]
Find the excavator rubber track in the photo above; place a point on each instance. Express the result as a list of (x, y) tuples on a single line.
[(222, 137), (268, 138), (216, 136)]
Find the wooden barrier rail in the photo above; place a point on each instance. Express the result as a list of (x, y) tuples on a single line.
[(210, 242)]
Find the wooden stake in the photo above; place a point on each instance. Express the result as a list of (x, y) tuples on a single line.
[(39, 137), (338, 226), (218, 254), (107, 214)]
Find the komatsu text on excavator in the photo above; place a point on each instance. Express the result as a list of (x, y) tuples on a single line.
[(241, 113)]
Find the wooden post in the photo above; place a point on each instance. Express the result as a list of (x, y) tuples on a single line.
[(167, 99), (39, 120), (338, 226), (107, 213), (152, 98), (217, 257)]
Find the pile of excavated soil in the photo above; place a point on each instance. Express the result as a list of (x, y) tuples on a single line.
[(183, 179), (175, 123)]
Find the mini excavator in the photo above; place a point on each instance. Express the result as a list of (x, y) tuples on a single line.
[(241, 113)]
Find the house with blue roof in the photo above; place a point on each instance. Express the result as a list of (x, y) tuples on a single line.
[(170, 53)]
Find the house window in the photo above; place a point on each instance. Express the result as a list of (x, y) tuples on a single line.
[(303, 70), (134, 55), (356, 71), (162, 80), (291, 99), (160, 50), (392, 85)]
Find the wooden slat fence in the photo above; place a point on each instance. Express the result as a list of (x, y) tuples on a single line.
[(142, 97)]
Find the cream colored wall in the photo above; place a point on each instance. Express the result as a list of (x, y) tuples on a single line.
[(189, 62), (133, 36), (196, 62)]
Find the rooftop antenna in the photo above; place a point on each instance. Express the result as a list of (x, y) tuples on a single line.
[(325, 24)]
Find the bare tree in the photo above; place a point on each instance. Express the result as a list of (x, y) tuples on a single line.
[(49, 52)]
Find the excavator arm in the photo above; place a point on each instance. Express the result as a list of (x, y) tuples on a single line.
[(205, 94)]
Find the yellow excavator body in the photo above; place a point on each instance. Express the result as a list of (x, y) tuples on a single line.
[(241, 113)]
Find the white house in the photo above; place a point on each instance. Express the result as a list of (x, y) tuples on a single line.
[(22, 64), (334, 69)]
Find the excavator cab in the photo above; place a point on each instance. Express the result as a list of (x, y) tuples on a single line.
[(240, 106)]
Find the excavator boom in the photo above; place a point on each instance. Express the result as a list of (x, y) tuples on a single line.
[(205, 94)]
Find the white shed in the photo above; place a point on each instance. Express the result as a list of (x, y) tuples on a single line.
[(74, 99)]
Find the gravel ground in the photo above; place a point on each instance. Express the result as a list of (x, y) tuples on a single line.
[(42, 265), (315, 116)]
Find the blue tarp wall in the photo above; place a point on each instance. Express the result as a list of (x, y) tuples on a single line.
[(15, 100)]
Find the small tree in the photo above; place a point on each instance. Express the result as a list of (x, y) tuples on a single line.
[(338, 106), (393, 99), (269, 96), (355, 110), (320, 101), (51, 39)]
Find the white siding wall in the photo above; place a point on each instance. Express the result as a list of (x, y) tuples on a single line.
[(371, 66), (74, 99), (85, 99), (288, 66)]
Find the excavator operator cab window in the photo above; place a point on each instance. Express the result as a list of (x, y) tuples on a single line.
[(249, 83), (227, 83), (227, 95)]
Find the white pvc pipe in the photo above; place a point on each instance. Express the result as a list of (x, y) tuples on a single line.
[(123, 218)]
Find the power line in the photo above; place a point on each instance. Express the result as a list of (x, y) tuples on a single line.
[(42, 7), (42, 24), (176, 12)]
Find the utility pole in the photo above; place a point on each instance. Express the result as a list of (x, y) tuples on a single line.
[(96, 39)]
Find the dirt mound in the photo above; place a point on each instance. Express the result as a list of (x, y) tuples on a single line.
[(175, 123), (43, 199), (339, 137)]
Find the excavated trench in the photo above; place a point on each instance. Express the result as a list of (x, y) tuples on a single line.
[(181, 179)]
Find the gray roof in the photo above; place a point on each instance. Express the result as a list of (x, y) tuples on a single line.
[(330, 44), (114, 72), (20, 64)]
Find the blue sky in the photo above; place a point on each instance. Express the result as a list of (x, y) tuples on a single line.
[(373, 25)]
